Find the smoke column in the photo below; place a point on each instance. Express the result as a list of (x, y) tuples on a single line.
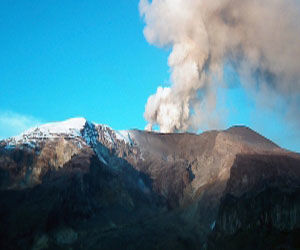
[(259, 38)]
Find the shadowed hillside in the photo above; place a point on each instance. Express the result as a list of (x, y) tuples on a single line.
[(91, 187)]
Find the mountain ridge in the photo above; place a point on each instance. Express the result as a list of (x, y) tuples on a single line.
[(73, 128), (111, 179)]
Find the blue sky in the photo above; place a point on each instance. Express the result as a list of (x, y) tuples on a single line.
[(63, 59)]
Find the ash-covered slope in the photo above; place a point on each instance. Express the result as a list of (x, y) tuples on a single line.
[(84, 185)]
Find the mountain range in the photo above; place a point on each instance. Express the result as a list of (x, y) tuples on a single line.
[(81, 185)]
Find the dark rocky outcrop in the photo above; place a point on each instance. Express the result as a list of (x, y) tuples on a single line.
[(261, 204)]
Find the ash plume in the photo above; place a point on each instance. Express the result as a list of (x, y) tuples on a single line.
[(259, 38)]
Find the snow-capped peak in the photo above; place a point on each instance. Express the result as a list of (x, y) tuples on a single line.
[(101, 138), (70, 128), (78, 129)]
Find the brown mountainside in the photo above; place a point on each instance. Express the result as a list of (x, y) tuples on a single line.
[(96, 188)]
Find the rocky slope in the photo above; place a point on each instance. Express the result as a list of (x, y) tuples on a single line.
[(80, 185)]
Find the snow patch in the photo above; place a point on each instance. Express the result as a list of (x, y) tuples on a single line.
[(70, 128), (124, 135)]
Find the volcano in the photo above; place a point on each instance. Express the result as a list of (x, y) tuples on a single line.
[(81, 185)]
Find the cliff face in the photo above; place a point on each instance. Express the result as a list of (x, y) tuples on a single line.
[(260, 207), (86, 186)]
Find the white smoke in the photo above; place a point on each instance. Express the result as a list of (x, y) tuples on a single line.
[(260, 38)]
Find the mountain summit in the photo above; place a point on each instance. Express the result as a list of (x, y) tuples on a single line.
[(77, 184)]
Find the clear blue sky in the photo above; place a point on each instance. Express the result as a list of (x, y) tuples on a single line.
[(63, 59)]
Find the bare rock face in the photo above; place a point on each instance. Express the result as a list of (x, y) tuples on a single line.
[(261, 201), (82, 185)]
